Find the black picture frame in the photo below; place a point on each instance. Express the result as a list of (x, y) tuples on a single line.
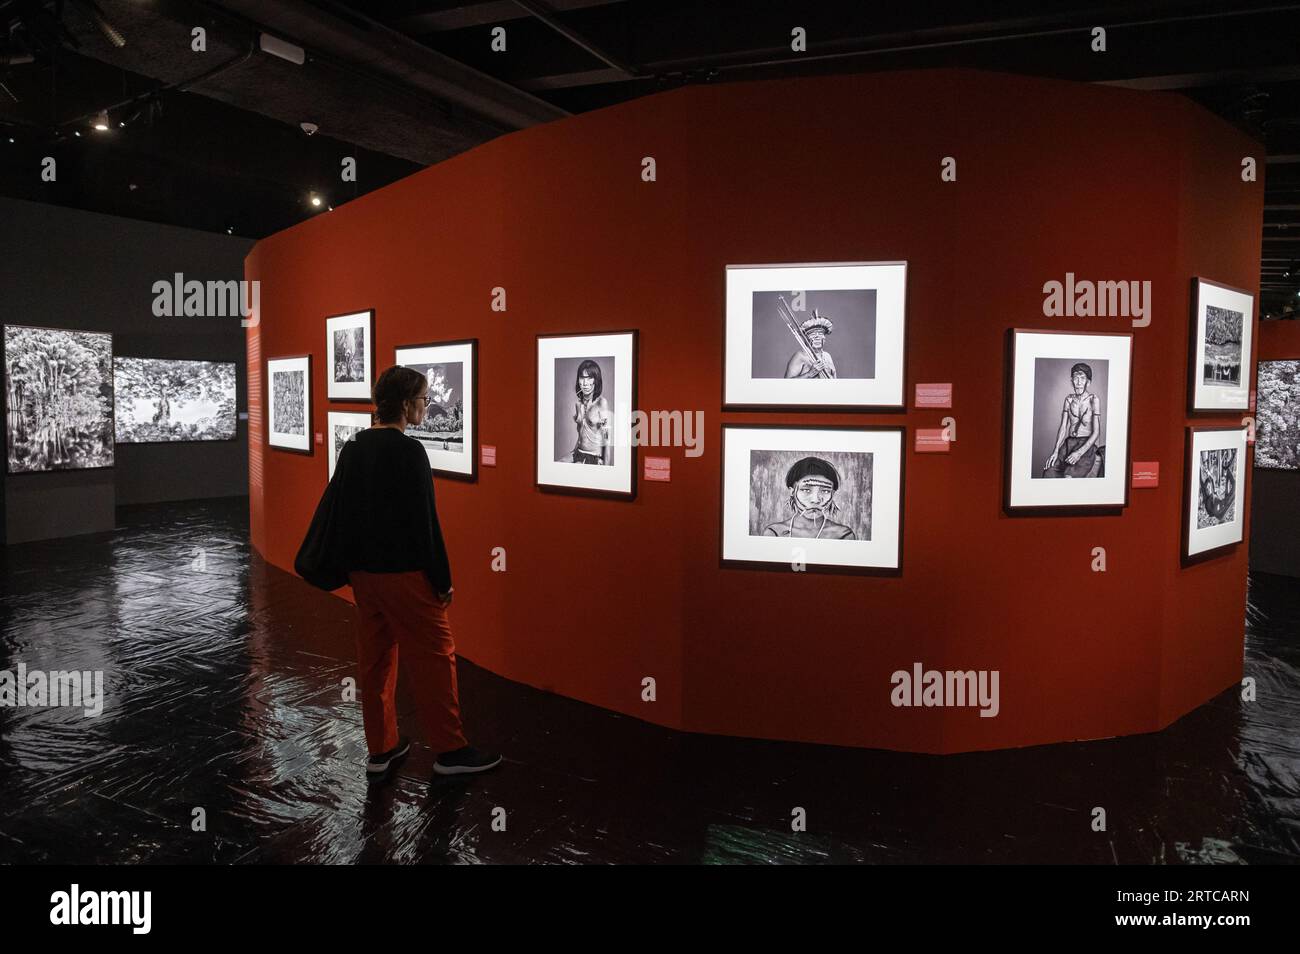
[(370, 359), (266, 406), (770, 567), (634, 457), (1193, 339), (1189, 559), (1008, 430), (900, 408)]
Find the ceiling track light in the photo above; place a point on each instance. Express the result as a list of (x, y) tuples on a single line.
[(101, 123)]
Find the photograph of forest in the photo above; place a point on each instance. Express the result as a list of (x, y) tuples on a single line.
[(58, 399), (289, 402), (160, 399), (350, 355), (1222, 347), (1277, 418)]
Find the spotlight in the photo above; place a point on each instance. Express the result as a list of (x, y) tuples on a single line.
[(101, 121), (315, 200)]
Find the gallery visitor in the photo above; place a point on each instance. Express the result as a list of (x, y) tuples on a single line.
[(376, 527)]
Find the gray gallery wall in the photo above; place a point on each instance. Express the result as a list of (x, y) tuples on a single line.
[(64, 268), (1275, 521)]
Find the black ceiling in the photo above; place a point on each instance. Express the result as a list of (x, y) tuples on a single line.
[(212, 139)]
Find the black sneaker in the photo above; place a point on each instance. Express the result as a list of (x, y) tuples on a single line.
[(379, 767), (465, 761)]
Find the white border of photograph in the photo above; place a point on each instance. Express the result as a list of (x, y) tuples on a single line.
[(1024, 491), (882, 551), (350, 390), (1206, 397), (294, 442), (452, 462), (562, 475), (885, 390), (1198, 542), (348, 419)]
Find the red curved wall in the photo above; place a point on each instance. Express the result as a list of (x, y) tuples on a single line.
[(1279, 340), (1106, 183)]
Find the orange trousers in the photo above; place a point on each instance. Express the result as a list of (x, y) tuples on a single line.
[(400, 612)]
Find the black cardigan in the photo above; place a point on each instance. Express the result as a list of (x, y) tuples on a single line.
[(377, 514)]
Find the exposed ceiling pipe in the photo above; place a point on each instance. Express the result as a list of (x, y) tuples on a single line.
[(966, 34)]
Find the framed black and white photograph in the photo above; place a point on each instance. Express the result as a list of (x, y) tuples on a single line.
[(288, 403), (812, 497), (162, 400), (343, 426), (58, 399), (1222, 320), (350, 356), (449, 432), (1214, 516), (826, 336), (1068, 439), (586, 392), (1277, 415)]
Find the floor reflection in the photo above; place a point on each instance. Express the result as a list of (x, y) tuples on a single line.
[(224, 695)]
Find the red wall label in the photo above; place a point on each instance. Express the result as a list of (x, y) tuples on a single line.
[(320, 438), (930, 440), (658, 468), (934, 395), (1146, 473), (489, 455)]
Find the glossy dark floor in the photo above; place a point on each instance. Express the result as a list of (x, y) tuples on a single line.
[(223, 685)]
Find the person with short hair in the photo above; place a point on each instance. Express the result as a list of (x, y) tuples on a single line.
[(1075, 452), (377, 529), (812, 483)]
